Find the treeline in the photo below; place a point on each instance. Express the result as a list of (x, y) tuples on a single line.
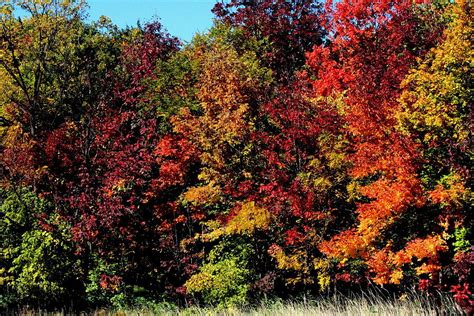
[(294, 148)]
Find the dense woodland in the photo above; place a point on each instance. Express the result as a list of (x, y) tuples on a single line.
[(296, 148)]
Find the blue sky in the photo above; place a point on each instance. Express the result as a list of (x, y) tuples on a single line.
[(182, 18)]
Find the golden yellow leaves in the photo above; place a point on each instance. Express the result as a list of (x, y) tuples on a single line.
[(436, 99), (5, 10), (322, 267), (206, 194), (287, 262), (248, 218), (305, 269), (199, 282), (226, 80), (4, 278), (295, 262)]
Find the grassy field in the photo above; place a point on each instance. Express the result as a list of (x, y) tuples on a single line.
[(369, 304)]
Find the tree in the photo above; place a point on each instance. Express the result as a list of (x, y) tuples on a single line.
[(38, 262), (371, 49), (436, 111), (290, 28)]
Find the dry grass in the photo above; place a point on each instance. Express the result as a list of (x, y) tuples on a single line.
[(368, 304)]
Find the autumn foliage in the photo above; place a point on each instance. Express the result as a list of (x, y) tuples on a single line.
[(296, 147)]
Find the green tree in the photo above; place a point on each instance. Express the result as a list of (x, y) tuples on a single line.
[(37, 257)]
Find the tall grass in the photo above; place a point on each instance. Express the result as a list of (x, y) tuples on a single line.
[(369, 303)]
